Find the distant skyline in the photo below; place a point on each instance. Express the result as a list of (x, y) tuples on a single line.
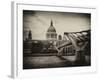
[(39, 22)]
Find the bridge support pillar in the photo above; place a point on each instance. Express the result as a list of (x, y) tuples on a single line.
[(80, 58)]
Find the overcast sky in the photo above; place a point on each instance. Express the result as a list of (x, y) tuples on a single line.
[(39, 21)]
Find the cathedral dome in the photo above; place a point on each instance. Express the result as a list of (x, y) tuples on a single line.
[(51, 28), (51, 32)]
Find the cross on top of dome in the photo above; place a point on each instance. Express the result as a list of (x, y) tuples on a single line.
[(51, 23)]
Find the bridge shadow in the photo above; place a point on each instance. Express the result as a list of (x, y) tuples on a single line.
[(62, 58), (66, 61)]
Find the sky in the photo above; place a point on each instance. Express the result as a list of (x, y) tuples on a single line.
[(39, 22)]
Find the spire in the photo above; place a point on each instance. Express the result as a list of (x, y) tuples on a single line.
[(30, 35), (51, 23)]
